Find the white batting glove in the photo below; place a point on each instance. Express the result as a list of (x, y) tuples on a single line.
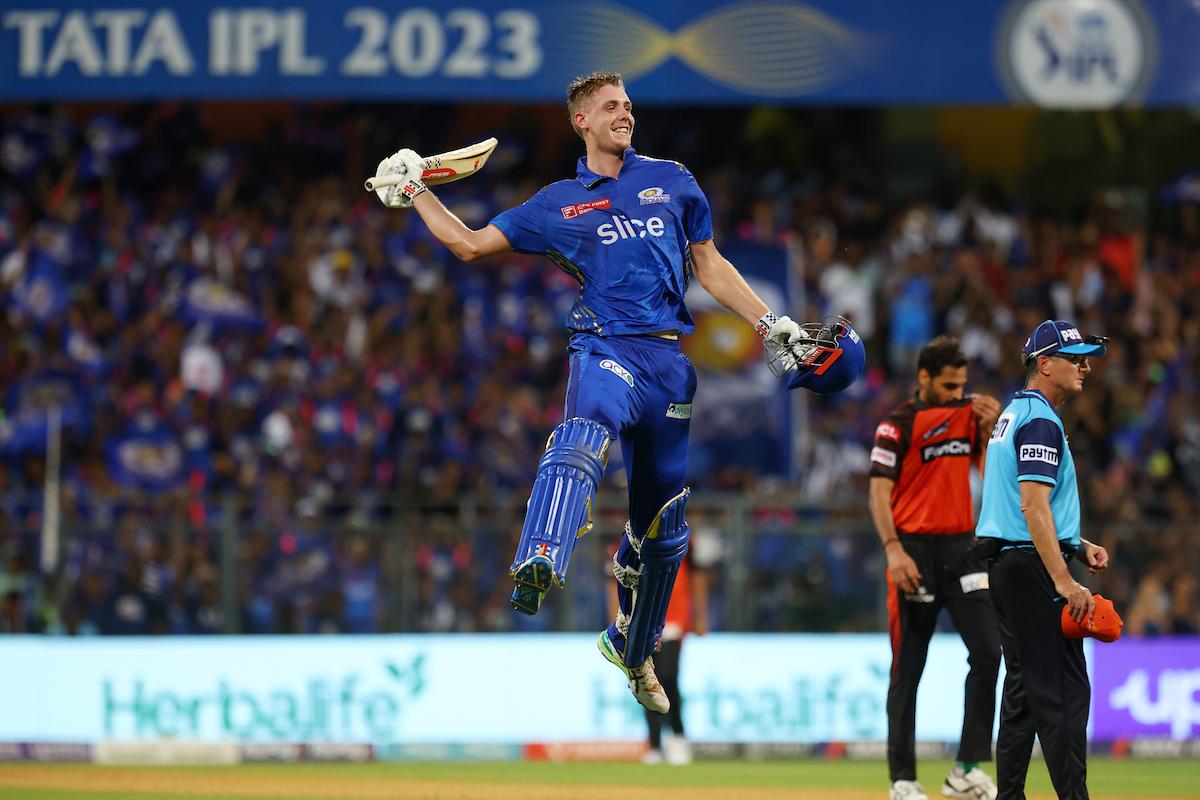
[(780, 336), (404, 162)]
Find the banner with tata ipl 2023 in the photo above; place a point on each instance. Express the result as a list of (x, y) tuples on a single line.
[(1148, 688), (453, 689), (1060, 53)]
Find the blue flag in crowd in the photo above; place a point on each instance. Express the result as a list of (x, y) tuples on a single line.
[(1184, 189), (42, 295), (27, 410), (207, 301), (107, 141), (147, 457)]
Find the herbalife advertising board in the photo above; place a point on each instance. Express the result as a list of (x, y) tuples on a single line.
[(444, 689)]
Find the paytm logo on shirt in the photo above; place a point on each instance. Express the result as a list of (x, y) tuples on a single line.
[(618, 229), (1039, 452)]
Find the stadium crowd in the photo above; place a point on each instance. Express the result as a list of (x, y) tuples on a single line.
[(237, 344)]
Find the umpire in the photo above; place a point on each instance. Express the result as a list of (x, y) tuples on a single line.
[(920, 500), (1030, 524)]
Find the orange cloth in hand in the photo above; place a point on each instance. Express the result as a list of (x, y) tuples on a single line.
[(1105, 624)]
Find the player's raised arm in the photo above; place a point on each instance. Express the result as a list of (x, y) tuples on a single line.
[(466, 244), (727, 286)]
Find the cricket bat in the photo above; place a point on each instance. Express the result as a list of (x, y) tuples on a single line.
[(444, 167)]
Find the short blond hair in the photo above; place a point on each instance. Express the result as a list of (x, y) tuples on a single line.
[(583, 87)]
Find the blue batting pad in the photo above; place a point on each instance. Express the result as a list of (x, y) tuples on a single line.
[(560, 505), (662, 550)]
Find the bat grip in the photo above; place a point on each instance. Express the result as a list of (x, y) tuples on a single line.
[(381, 181)]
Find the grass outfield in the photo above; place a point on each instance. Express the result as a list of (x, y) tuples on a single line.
[(773, 780)]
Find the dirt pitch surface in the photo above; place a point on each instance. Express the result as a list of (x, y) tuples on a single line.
[(812, 780)]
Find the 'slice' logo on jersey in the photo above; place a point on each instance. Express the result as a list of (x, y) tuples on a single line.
[(579, 209), (881, 456), (618, 229), (653, 195), (950, 447), (617, 369), (679, 410), (887, 430), (938, 431), (1039, 452)]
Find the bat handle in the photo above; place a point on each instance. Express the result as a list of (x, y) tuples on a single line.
[(380, 181)]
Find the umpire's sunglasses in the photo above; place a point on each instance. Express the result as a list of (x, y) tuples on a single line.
[(1077, 360), (1081, 361)]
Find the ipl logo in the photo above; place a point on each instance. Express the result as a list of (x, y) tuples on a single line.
[(1064, 54)]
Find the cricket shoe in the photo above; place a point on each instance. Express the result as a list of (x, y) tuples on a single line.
[(971, 785), (533, 579), (907, 790), (676, 750), (652, 757), (642, 680)]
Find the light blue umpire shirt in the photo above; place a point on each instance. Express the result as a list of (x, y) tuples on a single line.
[(1028, 443)]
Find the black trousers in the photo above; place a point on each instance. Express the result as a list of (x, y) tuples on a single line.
[(1046, 688), (944, 561), (666, 667)]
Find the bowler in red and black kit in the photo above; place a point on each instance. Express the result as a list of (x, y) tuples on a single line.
[(920, 500)]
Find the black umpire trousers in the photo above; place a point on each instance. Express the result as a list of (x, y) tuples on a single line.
[(666, 667), (945, 563), (1046, 688)]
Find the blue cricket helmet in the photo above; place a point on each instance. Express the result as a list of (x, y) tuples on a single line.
[(836, 362)]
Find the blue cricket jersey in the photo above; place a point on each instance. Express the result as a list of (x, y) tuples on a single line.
[(626, 240), (1028, 444)]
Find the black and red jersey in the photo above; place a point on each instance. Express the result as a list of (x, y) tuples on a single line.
[(927, 450)]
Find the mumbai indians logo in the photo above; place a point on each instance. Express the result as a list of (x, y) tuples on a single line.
[(653, 195), (617, 369), (805, 52)]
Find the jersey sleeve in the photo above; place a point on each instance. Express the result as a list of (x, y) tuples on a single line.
[(697, 216), (979, 438), (888, 453), (525, 225), (1039, 444)]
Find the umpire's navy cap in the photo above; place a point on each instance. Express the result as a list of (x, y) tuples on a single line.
[(1059, 336)]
